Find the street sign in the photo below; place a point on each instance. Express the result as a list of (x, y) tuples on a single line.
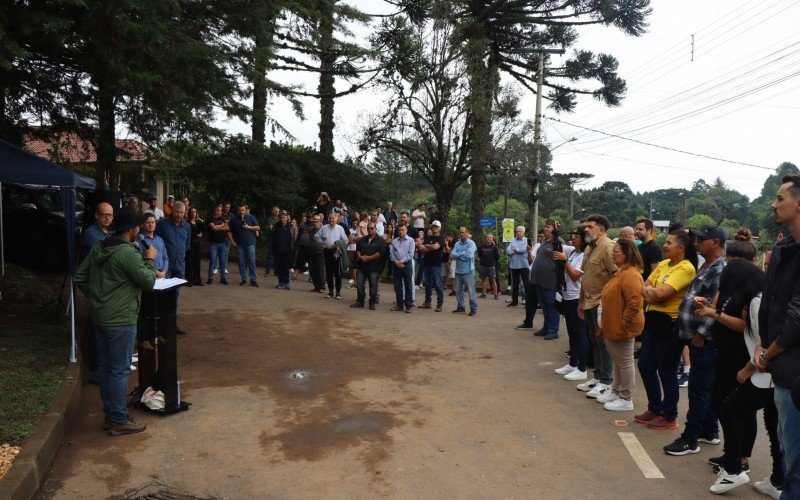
[(487, 222), (508, 230)]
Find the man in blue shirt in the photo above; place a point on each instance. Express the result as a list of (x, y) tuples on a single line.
[(402, 254), (464, 255), (153, 240), (244, 228), (97, 232), (177, 235), (517, 252)]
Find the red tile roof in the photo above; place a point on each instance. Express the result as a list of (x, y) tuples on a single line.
[(74, 149)]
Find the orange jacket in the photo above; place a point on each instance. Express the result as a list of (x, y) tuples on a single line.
[(623, 305)]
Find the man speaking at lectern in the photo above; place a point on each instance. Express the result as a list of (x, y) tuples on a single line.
[(113, 277)]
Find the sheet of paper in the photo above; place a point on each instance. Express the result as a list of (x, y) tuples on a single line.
[(164, 283)]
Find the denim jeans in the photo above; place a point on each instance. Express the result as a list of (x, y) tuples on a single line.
[(578, 336), (788, 425), (469, 280), (361, 279), (701, 419), (247, 261), (404, 285), (658, 367), (114, 351), (217, 253), (603, 364), (433, 280), (226, 252), (547, 302)]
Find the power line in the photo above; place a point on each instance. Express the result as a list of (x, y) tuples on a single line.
[(699, 155)]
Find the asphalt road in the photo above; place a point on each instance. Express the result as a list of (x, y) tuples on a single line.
[(298, 396)]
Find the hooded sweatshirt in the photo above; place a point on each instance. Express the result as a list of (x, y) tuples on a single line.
[(113, 276)]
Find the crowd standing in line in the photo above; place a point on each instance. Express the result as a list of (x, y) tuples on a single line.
[(702, 304)]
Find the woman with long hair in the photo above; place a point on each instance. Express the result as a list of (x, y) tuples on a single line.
[(198, 229), (621, 321), (664, 291), (576, 326)]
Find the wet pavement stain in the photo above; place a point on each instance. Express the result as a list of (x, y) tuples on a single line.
[(306, 363)]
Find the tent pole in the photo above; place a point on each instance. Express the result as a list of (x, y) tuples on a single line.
[(73, 351), (2, 243)]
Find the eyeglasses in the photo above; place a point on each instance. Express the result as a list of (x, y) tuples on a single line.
[(105, 215)]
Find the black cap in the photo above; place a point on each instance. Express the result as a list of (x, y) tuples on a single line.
[(709, 233), (284, 212), (126, 218)]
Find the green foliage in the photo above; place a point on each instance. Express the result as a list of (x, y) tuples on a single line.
[(730, 226), (698, 220), (291, 177), (516, 210)]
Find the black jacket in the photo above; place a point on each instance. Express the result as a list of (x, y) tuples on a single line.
[(282, 239), (779, 316)]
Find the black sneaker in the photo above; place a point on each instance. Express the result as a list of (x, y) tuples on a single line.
[(209, 281), (681, 447), (717, 467), (539, 333), (459, 310), (243, 283), (710, 438), (223, 281), (523, 326), (717, 461), (472, 313), (255, 284), (358, 304)]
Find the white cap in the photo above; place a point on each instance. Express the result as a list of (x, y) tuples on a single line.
[(436, 223)]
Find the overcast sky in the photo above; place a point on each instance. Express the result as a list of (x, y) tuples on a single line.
[(738, 100)]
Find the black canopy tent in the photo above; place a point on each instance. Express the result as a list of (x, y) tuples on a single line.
[(22, 167)]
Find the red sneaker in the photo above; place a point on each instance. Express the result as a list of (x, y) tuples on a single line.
[(645, 417), (660, 423)]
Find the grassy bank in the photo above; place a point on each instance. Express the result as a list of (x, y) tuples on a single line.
[(34, 348)]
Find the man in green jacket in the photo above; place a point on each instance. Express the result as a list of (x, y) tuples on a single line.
[(113, 276)]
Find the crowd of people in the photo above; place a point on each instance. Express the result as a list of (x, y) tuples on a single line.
[(696, 312)]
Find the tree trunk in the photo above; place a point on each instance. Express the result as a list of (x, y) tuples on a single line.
[(326, 87), (259, 118), (106, 122), (444, 202), (480, 103)]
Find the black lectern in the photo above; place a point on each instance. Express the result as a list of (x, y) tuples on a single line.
[(158, 349)]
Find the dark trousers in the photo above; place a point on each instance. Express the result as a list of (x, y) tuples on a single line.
[(316, 268), (658, 367), (531, 303), (739, 425), (602, 362), (404, 285), (578, 336), (333, 275), (433, 280), (193, 263), (547, 302), (518, 276), (361, 278), (282, 263), (301, 261), (701, 419)]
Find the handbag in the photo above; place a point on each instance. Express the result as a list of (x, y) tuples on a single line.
[(658, 323)]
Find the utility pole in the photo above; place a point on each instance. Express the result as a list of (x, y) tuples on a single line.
[(683, 208), (537, 140), (651, 209)]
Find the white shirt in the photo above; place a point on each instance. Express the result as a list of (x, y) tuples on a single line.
[(155, 211), (328, 235), (418, 223), (573, 288), (381, 219)]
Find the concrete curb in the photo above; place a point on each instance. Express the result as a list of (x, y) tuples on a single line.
[(26, 475)]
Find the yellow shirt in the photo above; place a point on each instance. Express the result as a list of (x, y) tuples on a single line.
[(678, 277)]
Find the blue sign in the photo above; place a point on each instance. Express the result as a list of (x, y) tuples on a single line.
[(488, 222)]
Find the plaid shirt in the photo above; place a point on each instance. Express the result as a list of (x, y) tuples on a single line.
[(705, 284)]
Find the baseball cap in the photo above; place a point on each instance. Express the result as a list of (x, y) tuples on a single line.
[(436, 223), (709, 233), (152, 197), (126, 218), (284, 212), (170, 197)]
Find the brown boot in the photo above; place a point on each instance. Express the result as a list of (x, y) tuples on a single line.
[(129, 427), (426, 305)]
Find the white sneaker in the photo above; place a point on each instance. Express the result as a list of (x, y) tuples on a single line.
[(216, 271), (619, 404), (351, 282), (598, 390), (133, 368), (565, 369), (726, 482), (765, 487), (588, 386), (575, 375), (607, 397), (305, 272)]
